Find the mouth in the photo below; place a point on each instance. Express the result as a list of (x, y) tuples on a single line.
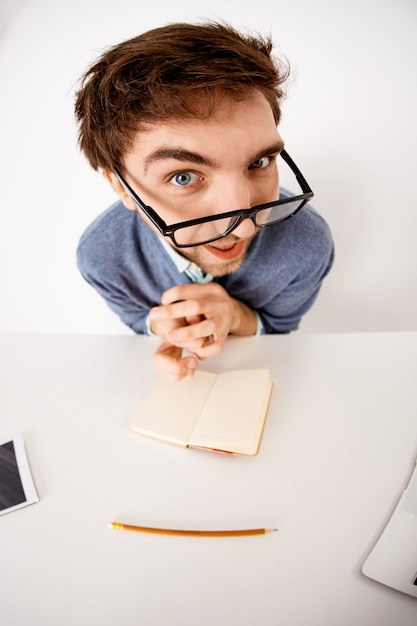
[(228, 252)]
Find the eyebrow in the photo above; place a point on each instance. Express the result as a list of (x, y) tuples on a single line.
[(180, 154), (275, 148)]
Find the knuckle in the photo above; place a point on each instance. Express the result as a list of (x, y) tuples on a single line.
[(210, 327)]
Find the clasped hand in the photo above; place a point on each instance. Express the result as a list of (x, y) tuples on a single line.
[(194, 318)]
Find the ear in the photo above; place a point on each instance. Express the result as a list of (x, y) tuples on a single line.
[(120, 190)]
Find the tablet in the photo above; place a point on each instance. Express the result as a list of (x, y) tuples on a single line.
[(17, 488)]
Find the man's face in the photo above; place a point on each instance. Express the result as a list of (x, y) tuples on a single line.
[(195, 168)]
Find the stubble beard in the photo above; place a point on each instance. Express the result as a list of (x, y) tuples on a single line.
[(216, 267)]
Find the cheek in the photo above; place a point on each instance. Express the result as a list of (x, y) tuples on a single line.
[(148, 222), (268, 189)]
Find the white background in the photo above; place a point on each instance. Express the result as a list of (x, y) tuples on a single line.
[(349, 122)]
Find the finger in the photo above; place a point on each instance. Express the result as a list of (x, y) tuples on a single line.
[(194, 319), (179, 310), (198, 352), (161, 325), (194, 336), (168, 361), (211, 346), (181, 292)]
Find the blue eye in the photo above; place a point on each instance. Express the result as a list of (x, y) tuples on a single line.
[(183, 179), (260, 163)]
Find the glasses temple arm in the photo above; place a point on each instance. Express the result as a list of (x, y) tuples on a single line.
[(302, 181), (148, 210)]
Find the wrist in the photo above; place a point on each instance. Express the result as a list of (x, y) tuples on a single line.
[(148, 327), (244, 320)]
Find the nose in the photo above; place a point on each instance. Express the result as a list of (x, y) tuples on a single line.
[(245, 229), (236, 195), (232, 193)]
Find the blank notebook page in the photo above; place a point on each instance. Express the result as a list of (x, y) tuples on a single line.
[(230, 413)]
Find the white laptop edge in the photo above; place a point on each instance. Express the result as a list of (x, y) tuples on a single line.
[(393, 559)]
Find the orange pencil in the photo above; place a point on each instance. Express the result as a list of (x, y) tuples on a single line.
[(192, 533)]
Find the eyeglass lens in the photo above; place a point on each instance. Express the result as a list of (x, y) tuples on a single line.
[(215, 229)]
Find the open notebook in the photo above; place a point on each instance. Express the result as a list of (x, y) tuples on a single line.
[(220, 412), (393, 559)]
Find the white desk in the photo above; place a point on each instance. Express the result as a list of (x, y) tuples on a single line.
[(339, 445)]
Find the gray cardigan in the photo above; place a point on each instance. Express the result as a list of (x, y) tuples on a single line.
[(123, 259)]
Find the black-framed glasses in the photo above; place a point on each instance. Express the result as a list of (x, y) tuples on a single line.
[(204, 230)]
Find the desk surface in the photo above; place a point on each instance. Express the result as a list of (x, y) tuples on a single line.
[(339, 445)]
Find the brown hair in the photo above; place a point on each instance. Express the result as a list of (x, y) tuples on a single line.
[(173, 71)]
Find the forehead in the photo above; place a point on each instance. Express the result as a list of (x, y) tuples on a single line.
[(239, 128)]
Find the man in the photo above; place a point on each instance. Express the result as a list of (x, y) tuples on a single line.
[(182, 121)]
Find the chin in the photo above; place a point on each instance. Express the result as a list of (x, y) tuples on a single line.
[(222, 269)]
